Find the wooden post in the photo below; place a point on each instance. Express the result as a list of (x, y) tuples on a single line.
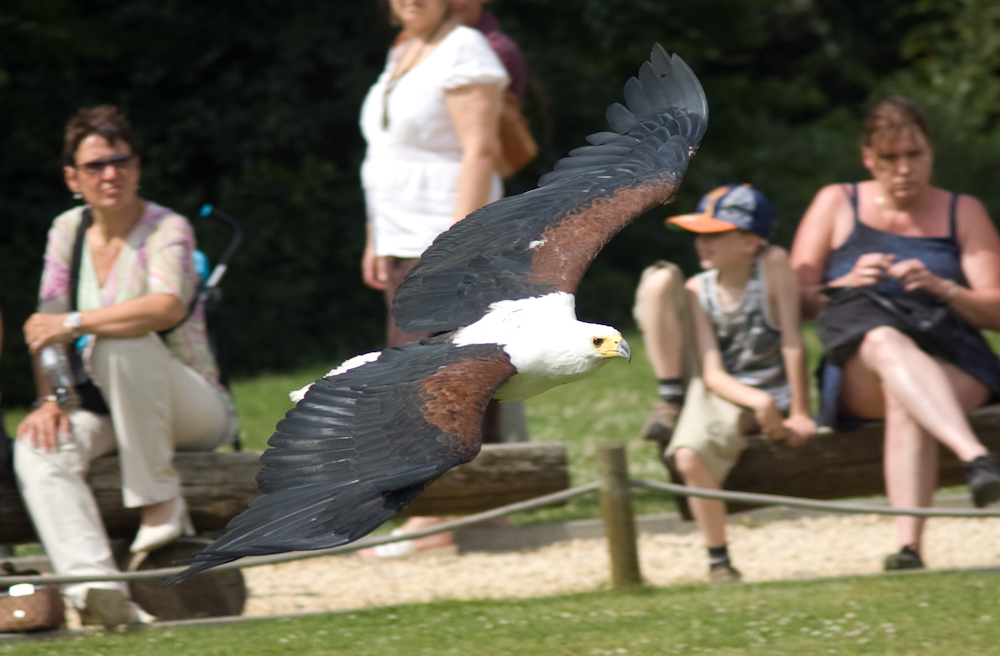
[(619, 520)]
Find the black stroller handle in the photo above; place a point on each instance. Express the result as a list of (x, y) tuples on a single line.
[(210, 296), (208, 210)]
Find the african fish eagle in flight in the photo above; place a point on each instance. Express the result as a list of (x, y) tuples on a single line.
[(496, 291)]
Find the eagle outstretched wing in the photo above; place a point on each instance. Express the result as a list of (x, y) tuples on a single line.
[(360, 446), (544, 240)]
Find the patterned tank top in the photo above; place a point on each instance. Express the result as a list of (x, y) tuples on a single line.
[(749, 341)]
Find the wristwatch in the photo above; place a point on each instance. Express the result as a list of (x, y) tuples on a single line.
[(72, 322)]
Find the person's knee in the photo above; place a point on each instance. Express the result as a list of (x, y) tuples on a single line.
[(660, 279), (33, 465), (688, 462), (656, 289), (25, 457), (133, 362), (127, 347), (884, 341)]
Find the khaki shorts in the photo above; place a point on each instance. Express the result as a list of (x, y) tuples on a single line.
[(712, 427)]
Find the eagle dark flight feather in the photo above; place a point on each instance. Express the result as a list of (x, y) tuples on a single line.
[(360, 446), (544, 240)]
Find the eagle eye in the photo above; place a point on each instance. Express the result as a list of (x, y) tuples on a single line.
[(598, 341)]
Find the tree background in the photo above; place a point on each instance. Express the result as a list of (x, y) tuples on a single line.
[(253, 106)]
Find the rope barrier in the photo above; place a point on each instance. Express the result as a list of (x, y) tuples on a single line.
[(510, 509), (796, 502)]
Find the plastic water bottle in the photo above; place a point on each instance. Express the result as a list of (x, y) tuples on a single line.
[(56, 366)]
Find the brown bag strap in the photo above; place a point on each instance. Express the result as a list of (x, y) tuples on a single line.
[(517, 146)]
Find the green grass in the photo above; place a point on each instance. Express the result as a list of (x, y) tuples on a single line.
[(913, 615)]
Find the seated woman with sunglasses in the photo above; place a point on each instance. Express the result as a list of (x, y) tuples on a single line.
[(136, 278)]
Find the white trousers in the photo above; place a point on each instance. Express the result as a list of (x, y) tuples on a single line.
[(157, 405)]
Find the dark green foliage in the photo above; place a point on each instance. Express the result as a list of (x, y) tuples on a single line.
[(253, 106), (786, 83)]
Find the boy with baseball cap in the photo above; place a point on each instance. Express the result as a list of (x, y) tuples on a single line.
[(742, 314)]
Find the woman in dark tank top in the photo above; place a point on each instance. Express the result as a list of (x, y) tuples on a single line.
[(901, 237)]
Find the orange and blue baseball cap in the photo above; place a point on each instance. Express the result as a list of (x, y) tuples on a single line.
[(728, 208)]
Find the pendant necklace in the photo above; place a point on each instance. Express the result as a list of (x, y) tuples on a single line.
[(403, 70)]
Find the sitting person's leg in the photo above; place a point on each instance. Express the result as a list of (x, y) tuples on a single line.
[(920, 399), (66, 517), (157, 404), (911, 466), (709, 514), (707, 442), (659, 304), (919, 383), (936, 395)]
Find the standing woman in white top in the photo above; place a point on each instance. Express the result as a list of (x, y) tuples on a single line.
[(431, 123)]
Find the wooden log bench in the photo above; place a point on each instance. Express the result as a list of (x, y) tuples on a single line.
[(218, 486), (836, 464)]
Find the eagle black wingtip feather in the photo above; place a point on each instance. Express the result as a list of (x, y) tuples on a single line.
[(665, 100), (696, 98), (199, 564)]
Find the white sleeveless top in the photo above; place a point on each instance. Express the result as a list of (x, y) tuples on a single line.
[(410, 172)]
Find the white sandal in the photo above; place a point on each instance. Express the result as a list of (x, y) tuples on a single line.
[(151, 538)]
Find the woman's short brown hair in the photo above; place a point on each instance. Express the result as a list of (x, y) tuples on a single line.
[(103, 120), (889, 117)]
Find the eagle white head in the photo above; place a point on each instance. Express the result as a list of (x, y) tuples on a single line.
[(545, 342)]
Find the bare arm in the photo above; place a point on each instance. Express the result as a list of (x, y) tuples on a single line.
[(132, 318), (129, 319), (373, 271), (979, 304), (783, 296), (475, 112), (811, 247), (719, 380)]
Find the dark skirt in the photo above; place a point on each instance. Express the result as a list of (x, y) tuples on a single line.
[(971, 353)]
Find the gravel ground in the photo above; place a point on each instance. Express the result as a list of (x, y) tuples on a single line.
[(780, 550)]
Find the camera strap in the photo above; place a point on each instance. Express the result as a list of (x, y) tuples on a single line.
[(90, 396), (86, 220)]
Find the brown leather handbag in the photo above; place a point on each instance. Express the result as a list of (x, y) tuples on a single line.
[(25, 607), (517, 146)]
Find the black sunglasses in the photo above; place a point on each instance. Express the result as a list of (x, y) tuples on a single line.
[(96, 167)]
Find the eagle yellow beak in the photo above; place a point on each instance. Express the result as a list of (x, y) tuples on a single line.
[(615, 347)]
